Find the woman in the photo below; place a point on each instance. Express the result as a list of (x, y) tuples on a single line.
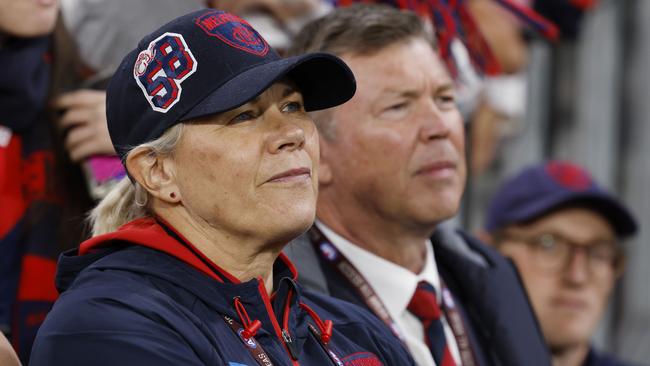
[(222, 160)]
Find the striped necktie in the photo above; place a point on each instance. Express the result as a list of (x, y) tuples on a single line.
[(424, 306)]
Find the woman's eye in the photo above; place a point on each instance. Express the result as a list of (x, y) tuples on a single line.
[(293, 107), (242, 117)]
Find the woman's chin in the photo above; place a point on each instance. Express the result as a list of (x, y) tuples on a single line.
[(292, 227)]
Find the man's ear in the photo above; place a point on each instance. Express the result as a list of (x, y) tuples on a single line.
[(155, 174), (324, 168)]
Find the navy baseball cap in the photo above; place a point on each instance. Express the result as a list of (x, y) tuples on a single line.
[(208, 62), (541, 189)]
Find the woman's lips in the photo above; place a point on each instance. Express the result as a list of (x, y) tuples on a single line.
[(291, 175)]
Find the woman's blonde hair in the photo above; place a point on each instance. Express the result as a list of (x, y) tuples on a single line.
[(128, 200)]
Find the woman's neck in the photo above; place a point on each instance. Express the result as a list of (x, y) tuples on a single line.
[(243, 259)]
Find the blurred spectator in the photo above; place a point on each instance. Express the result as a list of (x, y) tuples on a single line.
[(106, 30), (502, 100), (43, 194), (563, 231), (277, 20)]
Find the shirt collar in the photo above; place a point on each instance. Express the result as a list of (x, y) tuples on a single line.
[(395, 285)]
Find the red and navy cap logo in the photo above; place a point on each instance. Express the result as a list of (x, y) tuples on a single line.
[(569, 176), (161, 68), (233, 31)]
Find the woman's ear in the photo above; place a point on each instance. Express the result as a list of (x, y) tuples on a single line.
[(154, 173)]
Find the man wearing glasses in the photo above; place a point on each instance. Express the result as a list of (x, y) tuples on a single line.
[(562, 231)]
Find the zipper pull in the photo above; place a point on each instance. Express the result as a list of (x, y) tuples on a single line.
[(291, 346)]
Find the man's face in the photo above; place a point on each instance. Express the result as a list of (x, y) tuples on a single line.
[(569, 298), (28, 18), (398, 148)]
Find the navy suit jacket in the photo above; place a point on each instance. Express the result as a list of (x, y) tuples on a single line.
[(485, 285)]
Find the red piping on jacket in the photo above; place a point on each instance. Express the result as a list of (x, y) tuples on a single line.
[(325, 327), (142, 231)]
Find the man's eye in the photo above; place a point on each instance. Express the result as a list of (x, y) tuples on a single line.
[(397, 107), (603, 251), (547, 242), (293, 107), (446, 101)]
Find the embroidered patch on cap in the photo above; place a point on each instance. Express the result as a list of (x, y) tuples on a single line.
[(569, 176), (233, 31), (161, 68)]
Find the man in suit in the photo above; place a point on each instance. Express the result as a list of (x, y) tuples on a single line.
[(392, 169)]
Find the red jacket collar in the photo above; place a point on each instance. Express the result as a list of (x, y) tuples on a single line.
[(149, 232)]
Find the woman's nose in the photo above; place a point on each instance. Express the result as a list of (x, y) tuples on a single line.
[(288, 135)]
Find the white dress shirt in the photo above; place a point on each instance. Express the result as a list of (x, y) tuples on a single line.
[(395, 286)]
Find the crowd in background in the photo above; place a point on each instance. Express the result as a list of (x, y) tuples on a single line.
[(578, 95)]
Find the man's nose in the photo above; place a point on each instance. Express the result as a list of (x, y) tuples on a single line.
[(577, 269), (433, 123)]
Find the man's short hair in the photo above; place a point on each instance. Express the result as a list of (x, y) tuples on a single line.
[(361, 29)]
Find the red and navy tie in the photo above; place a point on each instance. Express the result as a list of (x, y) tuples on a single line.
[(424, 305)]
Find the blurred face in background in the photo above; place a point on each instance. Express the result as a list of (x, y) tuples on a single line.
[(397, 150), (27, 18), (569, 261)]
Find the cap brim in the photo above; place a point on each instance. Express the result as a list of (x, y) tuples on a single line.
[(616, 214), (323, 79)]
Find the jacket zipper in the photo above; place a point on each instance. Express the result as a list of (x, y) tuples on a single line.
[(278, 332)]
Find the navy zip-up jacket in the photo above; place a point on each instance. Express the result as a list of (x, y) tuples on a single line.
[(143, 295)]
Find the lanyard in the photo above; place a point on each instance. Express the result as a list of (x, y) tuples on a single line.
[(457, 326), (252, 345), (332, 255)]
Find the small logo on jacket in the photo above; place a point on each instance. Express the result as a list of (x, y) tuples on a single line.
[(328, 251), (448, 300), (250, 342), (233, 31)]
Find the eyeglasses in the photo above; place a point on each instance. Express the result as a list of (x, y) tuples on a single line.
[(553, 252)]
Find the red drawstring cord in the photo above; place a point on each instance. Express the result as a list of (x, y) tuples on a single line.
[(326, 328), (250, 328)]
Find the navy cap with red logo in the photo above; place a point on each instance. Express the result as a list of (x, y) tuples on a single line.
[(208, 62), (541, 189)]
